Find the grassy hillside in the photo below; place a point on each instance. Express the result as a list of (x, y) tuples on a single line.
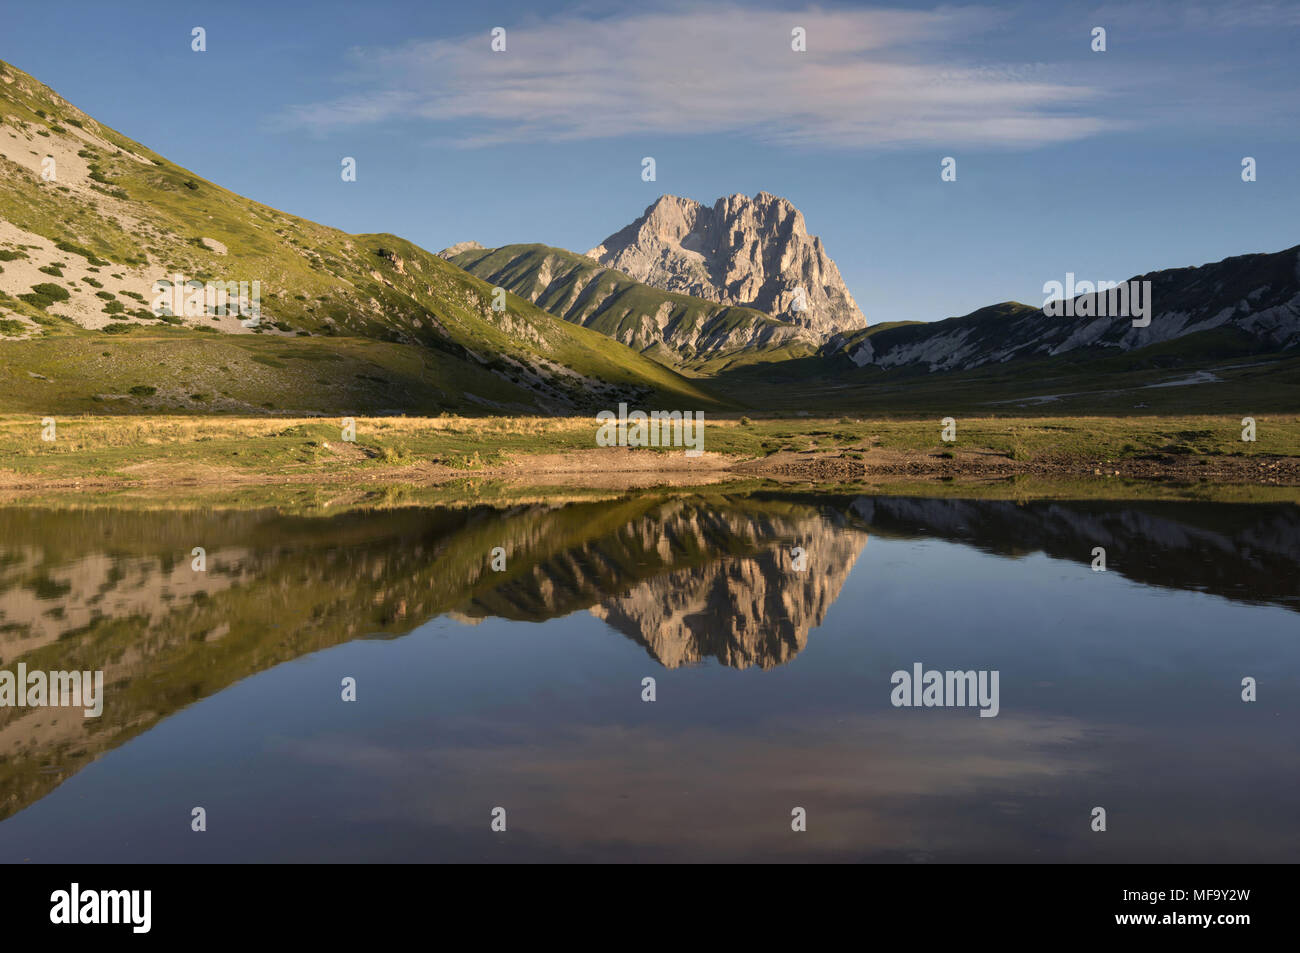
[(89, 220), (1242, 305), (1211, 372), (691, 334), (180, 370)]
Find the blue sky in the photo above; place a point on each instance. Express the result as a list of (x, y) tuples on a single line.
[(1105, 164)]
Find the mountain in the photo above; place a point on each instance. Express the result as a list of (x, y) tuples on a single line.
[(1244, 304), (372, 324), (90, 220), (676, 329), (755, 253)]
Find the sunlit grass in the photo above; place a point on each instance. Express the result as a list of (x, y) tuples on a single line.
[(100, 445)]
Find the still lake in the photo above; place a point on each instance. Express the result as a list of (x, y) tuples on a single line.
[(771, 624)]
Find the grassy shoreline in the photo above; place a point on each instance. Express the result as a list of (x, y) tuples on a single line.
[(120, 452)]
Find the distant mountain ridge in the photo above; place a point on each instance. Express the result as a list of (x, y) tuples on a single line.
[(1243, 303)]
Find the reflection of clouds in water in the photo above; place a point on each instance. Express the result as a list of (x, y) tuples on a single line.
[(865, 781)]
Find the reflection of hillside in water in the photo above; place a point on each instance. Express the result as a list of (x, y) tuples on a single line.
[(114, 591), (689, 579), (1246, 552)]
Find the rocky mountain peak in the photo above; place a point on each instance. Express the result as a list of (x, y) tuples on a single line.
[(451, 251), (755, 252)]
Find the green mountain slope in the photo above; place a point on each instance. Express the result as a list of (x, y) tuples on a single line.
[(687, 333), (90, 220)]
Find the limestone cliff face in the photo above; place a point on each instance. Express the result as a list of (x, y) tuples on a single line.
[(751, 252)]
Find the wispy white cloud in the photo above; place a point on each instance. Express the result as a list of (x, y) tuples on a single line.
[(1215, 17), (870, 78)]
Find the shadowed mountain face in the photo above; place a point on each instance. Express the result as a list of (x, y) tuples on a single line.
[(1242, 552), (1242, 305), (688, 578)]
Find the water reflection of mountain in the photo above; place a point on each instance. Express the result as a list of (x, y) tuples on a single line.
[(690, 581), (115, 591), (1245, 552), (688, 578)]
